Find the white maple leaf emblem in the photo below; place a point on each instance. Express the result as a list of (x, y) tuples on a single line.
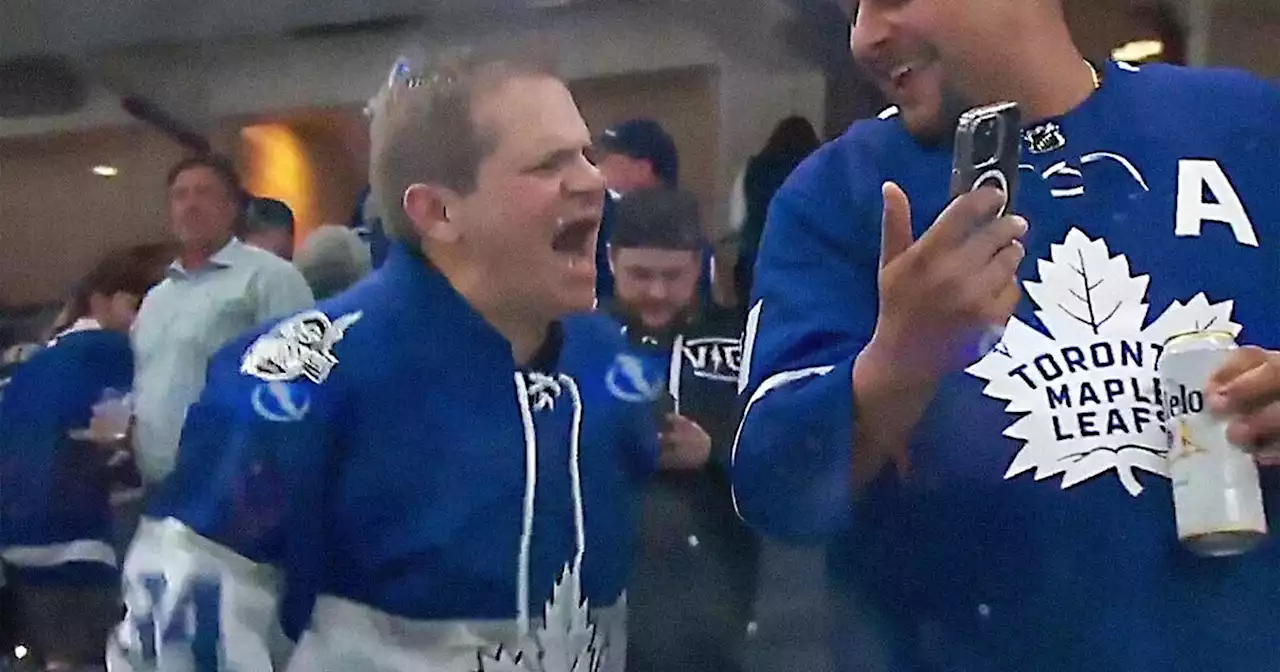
[(1087, 394), (566, 641)]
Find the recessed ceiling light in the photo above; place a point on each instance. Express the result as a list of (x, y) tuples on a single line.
[(105, 171), (1138, 50)]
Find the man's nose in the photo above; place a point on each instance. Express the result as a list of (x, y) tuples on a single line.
[(658, 290), (870, 31), (585, 178)]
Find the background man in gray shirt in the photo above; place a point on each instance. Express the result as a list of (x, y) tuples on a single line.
[(217, 288)]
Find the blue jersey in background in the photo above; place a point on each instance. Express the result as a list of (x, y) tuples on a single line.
[(55, 514)]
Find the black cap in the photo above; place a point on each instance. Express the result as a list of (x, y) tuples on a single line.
[(657, 218), (268, 213), (644, 139)]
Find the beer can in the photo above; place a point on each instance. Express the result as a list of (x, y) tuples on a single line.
[(1217, 496)]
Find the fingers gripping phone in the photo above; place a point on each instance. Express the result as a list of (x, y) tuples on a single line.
[(663, 405), (988, 149)]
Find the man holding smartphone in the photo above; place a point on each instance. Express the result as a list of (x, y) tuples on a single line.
[(1008, 508), (694, 584)]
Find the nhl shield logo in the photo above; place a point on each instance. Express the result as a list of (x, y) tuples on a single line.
[(1045, 138)]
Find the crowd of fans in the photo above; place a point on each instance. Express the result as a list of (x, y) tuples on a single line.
[(146, 321), (830, 378)]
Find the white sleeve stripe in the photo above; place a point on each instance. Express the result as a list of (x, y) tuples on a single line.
[(770, 384), (675, 370), (52, 555), (171, 558), (749, 345)]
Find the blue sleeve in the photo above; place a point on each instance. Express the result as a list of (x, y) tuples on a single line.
[(814, 309), (643, 441), (101, 360), (637, 430), (113, 364), (249, 463), (237, 523)]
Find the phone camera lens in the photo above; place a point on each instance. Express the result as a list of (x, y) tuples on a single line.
[(986, 141)]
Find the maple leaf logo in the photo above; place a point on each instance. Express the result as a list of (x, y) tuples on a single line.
[(1087, 394), (566, 641)]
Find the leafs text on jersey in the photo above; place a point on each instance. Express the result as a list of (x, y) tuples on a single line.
[(1086, 394)]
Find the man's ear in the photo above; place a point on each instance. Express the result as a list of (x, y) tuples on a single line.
[(428, 208)]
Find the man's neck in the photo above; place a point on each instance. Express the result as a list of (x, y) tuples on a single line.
[(102, 319), (1056, 78), (197, 255), (632, 319), (525, 333), (526, 337)]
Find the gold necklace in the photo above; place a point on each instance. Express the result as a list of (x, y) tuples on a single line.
[(1097, 78)]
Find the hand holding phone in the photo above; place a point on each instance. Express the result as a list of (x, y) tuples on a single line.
[(947, 295), (663, 405), (684, 444)]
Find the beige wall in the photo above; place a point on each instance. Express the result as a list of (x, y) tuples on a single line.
[(57, 218), (683, 101), (1101, 25), (1243, 33), (1246, 37), (328, 151)]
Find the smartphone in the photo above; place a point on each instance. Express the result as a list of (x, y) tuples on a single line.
[(988, 149)]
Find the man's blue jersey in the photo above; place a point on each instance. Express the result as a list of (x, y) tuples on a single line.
[(384, 457), (1036, 530)]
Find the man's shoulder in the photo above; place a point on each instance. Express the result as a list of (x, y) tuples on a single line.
[(264, 263), (258, 265), (81, 348), (847, 172), (1223, 80), (92, 343), (252, 254), (303, 347), (1214, 96), (158, 291), (597, 329)]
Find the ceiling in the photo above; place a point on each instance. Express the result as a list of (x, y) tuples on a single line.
[(82, 27)]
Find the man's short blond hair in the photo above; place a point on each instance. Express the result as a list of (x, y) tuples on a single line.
[(421, 126)]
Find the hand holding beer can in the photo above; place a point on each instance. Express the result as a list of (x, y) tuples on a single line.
[(1217, 496)]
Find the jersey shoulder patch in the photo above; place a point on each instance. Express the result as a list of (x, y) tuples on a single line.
[(298, 347)]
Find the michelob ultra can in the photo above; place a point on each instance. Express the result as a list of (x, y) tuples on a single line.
[(1217, 497)]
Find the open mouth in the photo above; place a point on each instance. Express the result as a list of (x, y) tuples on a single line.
[(900, 76), (900, 79), (576, 237)]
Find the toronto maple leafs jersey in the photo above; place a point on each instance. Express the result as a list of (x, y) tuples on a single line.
[(383, 466), (55, 514), (1036, 531)]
